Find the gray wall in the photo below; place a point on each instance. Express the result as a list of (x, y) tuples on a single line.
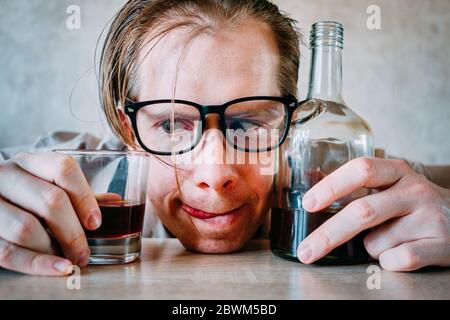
[(397, 77)]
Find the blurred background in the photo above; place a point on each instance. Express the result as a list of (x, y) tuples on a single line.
[(397, 77)]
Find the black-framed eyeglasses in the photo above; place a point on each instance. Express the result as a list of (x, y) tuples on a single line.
[(250, 124)]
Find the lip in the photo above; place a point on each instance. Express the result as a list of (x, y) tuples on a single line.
[(203, 215)]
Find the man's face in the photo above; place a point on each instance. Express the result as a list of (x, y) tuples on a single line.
[(210, 206)]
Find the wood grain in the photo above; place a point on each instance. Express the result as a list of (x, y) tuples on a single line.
[(168, 271)]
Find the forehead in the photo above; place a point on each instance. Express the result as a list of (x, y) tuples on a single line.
[(215, 67)]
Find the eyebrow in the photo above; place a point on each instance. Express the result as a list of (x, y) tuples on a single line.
[(259, 111), (165, 110)]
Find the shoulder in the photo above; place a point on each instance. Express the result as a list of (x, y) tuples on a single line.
[(65, 140)]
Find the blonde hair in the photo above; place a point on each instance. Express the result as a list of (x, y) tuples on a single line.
[(132, 24)]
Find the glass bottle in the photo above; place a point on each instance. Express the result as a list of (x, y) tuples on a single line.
[(324, 134)]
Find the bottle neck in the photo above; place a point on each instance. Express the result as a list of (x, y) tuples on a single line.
[(325, 80)]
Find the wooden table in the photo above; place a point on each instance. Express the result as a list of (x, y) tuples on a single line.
[(168, 271)]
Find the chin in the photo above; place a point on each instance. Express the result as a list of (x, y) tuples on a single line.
[(213, 245), (223, 234)]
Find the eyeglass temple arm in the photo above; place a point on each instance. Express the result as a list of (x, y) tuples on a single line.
[(308, 117)]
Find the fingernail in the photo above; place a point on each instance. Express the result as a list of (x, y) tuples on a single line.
[(308, 202), (63, 266), (304, 253), (94, 220)]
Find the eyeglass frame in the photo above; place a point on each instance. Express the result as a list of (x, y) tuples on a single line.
[(131, 110)]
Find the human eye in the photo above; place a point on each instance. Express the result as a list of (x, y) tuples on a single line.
[(254, 115), (176, 125), (169, 119), (246, 123)]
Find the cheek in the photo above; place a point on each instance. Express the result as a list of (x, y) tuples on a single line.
[(162, 181), (265, 164), (258, 179)]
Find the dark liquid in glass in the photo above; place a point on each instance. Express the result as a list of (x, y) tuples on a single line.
[(119, 219), (290, 226)]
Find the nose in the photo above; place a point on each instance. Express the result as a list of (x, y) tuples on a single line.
[(212, 147), (213, 173), (220, 178)]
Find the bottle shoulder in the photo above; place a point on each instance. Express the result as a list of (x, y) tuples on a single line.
[(330, 128), (330, 114)]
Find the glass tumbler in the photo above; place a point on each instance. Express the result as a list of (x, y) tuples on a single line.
[(119, 182)]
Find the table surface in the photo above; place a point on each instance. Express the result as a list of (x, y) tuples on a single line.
[(168, 271)]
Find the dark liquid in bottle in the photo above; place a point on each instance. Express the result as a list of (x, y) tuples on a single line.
[(119, 219), (290, 226)]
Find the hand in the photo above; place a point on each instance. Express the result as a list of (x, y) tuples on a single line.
[(52, 189), (409, 214)]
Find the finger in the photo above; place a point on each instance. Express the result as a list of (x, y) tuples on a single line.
[(417, 254), (411, 227), (22, 260), (107, 197), (356, 217), (355, 174), (21, 228), (65, 172), (47, 201)]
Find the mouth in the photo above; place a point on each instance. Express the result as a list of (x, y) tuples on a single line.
[(212, 217)]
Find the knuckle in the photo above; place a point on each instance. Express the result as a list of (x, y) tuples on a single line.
[(22, 230), (365, 213), (34, 263), (6, 252), (421, 188), (85, 196), (67, 166), (324, 237), (402, 164), (331, 189), (442, 223), (54, 199), (411, 258), (77, 243), (365, 167)]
